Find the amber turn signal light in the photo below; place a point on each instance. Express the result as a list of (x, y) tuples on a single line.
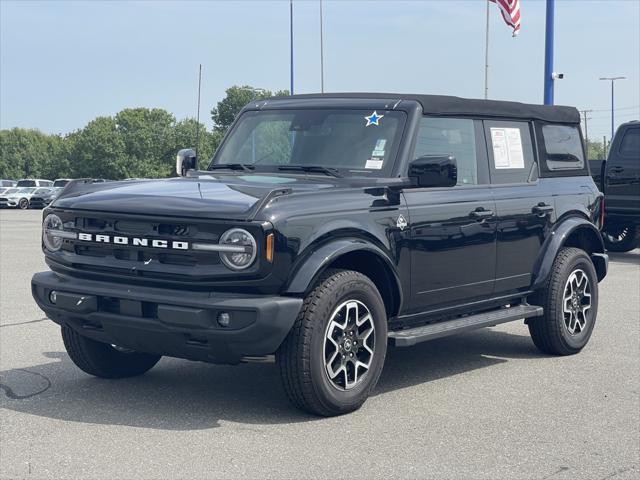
[(269, 249)]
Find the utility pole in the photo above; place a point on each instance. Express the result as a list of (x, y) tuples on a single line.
[(613, 81), (584, 121)]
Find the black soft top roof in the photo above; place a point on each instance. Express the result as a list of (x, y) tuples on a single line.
[(448, 105)]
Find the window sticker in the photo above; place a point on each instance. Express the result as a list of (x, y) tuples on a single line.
[(374, 164), (378, 151), (507, 148), (373, 119)]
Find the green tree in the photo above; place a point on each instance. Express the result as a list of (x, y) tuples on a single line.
[(99, 151), (236, 98), (185, 137), (31, 153), (595, 150)]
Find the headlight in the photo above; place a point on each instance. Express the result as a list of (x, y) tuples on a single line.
[(53, 233), (245, 252)]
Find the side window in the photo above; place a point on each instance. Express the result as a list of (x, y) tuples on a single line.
[(563, 146), (450, 136), (511, 157), (630, 145)]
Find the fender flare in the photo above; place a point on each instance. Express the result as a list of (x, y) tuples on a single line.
[(319, 259), (558, 238)]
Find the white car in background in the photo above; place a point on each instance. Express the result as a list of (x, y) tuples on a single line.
[(17, 197)]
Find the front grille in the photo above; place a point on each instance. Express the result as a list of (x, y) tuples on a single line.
[(172, 264)]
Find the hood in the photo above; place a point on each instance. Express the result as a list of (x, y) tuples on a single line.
[(238, 197)]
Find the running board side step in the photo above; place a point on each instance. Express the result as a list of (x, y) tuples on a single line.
[(406, 338)]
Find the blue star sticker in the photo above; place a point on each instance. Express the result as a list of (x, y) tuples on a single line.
[(373, 119)]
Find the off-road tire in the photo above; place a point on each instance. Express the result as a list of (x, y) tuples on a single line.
[(630, 238), (301, 356), (549, 332), (23, 204), (103, 360)]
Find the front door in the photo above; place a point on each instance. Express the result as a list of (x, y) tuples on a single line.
[(453, 230)]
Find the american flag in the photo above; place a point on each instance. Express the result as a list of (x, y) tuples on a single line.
[(510, 10)]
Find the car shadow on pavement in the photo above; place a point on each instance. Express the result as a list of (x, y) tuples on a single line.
[(632, 257), (183, 395)]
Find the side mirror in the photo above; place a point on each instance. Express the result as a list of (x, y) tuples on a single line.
[(186, 160), (434, 171)]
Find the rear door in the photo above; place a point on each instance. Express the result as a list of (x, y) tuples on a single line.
[(622, 174), (525, 211), (453, 230)]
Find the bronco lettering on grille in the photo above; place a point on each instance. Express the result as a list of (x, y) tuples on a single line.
[(134, 241)]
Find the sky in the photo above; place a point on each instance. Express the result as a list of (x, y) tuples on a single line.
[(63, 63)]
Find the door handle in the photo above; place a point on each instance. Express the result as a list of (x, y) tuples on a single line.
[(617, 170), (542, 209), (480, 213)]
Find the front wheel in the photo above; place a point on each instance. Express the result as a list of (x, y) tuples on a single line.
[(104, 360), (334, 353), (23, 204), (570, 301), (621, 238)]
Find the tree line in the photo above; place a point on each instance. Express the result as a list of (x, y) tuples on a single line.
[(134, 143)]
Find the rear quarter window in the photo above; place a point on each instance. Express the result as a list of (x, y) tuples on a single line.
[(563, 147), (630, 144)]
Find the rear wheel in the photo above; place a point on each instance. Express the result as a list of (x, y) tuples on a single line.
[(333, 356), (570, 301), (621, 238), (104, 360), (23, 204)]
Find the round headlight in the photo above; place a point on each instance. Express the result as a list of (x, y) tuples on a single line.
[(52, 223), (242, 249)]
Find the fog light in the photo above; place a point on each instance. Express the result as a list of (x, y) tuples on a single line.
[(53, 296), (224, 319)]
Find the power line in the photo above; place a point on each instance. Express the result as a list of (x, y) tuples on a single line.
[(616, 109)]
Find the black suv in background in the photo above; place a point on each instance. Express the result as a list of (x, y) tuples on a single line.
[(327, 227), (619, 178)]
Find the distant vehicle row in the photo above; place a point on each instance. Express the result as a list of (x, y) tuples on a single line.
[(27, 197)]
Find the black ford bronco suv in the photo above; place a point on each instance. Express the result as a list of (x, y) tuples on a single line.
[(327, 227)]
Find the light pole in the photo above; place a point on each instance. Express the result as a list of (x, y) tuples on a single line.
[(548, 54), (613, 81)]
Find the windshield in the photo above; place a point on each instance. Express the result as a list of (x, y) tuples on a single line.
[(27, 190), (42, 191), (26, 183), (11, 191), (354, 142)]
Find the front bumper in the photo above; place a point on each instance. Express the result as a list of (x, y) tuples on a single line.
[(8, 203), (175, 323)]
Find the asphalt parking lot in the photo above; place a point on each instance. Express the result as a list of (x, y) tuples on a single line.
[(480, 405)]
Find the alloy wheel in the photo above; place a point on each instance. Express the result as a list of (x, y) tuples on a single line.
[(349, 344), (576, 302)]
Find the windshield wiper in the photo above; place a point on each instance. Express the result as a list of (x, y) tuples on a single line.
[(312, 168), (232, 166)]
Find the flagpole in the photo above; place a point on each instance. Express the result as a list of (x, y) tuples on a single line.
[(486, 57), (321, 52), (291, 40)]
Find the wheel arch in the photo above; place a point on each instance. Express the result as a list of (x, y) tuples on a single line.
[(575, 231), (350, 254)]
